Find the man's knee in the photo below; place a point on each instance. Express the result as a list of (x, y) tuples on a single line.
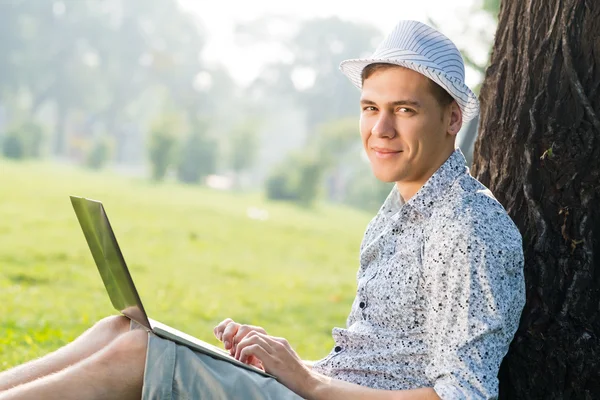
[(128, 348), (118, 370), (113, 325)]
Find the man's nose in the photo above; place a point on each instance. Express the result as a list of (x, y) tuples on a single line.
[(384, 127)]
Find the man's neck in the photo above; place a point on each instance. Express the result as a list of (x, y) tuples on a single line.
[(409, 189)]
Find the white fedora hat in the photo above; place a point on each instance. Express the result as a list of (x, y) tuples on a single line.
[(423, 49)]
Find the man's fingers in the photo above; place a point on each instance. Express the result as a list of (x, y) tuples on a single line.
[(229, 333), (252, 350), (245, 330), (252, 360), (254, 338), (218, 331), (282, 341)]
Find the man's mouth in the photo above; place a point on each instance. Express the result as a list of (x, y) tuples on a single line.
[(381, 152)]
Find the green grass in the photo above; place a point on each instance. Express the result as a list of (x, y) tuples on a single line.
[(193, 253)]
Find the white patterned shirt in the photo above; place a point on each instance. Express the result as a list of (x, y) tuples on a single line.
[(440, 292)]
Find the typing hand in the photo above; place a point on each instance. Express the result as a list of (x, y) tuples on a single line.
[(231, 334), (279, 359)]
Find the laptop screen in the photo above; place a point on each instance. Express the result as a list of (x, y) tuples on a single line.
[(109, 259)]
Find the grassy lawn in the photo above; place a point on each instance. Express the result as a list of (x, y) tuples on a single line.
[(194, 254)]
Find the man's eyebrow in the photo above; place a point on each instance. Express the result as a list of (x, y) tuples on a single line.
[(396, 103)]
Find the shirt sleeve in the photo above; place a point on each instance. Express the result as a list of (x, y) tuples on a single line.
[(473, 273)]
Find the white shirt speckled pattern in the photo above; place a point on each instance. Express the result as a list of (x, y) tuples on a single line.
[(440, 292)]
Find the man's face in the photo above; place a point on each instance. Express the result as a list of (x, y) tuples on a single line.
[(406, 133)]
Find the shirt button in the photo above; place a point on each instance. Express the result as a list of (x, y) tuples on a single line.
[(338, 349), (362, 304)]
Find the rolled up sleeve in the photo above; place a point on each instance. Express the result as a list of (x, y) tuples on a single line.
[(473, 273)]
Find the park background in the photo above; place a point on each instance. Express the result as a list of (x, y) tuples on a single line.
[(222, 139)]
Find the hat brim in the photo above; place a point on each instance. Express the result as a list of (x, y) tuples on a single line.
[(464, 96)]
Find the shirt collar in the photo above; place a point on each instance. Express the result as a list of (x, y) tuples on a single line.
[(424, 200)]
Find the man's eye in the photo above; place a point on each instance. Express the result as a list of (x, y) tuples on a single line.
[(405, 110), (369, 108)]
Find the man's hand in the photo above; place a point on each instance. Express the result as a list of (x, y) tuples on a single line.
[(277, 358), (231, 334)]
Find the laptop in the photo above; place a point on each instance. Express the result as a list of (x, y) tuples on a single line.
[(119, 284)]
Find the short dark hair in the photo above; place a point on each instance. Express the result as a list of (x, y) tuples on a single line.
[(441, 95)]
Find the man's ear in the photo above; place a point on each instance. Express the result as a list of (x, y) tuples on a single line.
[(455, 121)]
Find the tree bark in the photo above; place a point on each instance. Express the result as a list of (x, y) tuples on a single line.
[(538, 150)]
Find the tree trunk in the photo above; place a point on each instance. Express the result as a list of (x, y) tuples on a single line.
[(538, 151)]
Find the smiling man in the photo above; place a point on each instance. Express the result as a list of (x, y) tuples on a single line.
[(440, 282)]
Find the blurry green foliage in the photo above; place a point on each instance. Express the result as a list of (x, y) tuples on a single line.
[(164, 134), (198, 154), (280, 185), (298, 178), (99, 153), (12, 146), (491, 6), (245, 144), (366, 192), (309, 182), (317, 46), (23, 141), (96, 58), (336, 140)]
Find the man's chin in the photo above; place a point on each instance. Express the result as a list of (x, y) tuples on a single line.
[(387, 177), (386, 180)]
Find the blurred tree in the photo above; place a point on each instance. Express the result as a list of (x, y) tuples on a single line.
[(44, 63), (282, 183), (491, 6), (98, 58), (310, 180), (280, 186), (164, 134), (10, 45), (12, 146), (335, 139), (366, 192), (147, 44), (319, 46), (310, 76), (298, 178), (245, 142), (339, 148), (99, 153), (198, 153), (538, 150), (23, 140)]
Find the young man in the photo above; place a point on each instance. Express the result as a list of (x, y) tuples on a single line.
[(440, 282)]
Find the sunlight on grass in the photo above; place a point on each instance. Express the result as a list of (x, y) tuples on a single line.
[(194, 254)]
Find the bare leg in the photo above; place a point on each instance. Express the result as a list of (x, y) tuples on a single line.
[(90, 342), (115, 372)]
